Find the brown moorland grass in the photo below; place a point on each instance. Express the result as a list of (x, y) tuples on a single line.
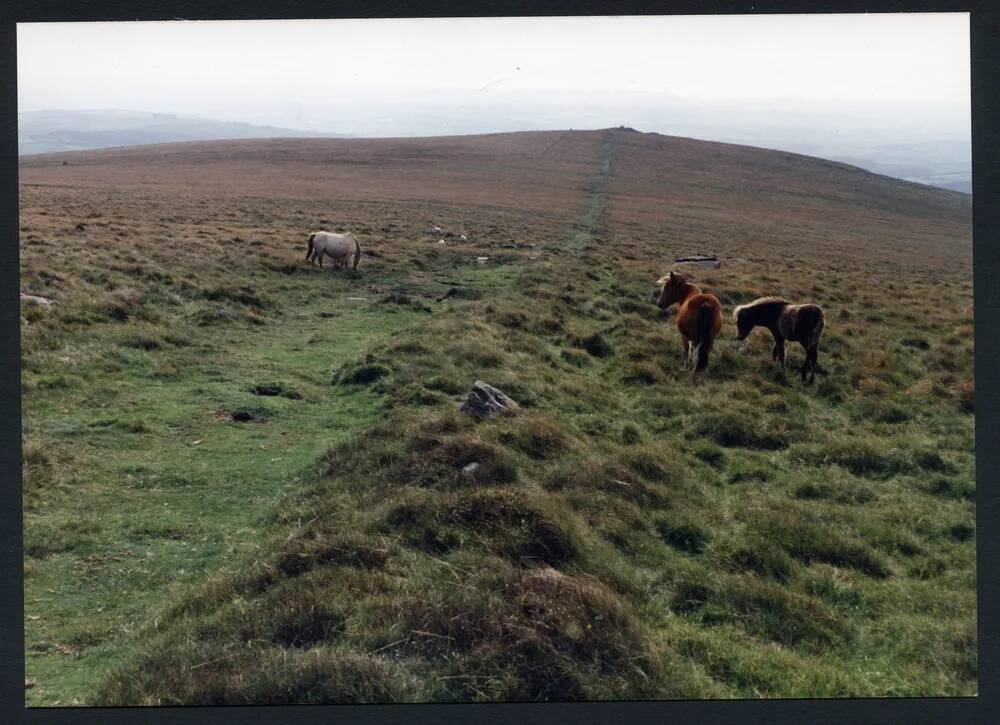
[(630, 533)]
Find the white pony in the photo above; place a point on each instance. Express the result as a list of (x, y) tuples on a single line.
[(339, 247)]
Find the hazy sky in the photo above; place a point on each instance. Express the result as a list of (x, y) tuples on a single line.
[(294, 72)]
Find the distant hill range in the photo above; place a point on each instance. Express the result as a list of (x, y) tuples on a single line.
[(942, 163), (67, 130)]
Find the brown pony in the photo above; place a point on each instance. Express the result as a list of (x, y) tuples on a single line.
[(798, 323), (699, 318)]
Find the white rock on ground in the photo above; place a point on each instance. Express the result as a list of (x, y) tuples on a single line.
[(485, 400)]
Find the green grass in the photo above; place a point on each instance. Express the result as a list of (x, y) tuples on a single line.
[(167, 484)]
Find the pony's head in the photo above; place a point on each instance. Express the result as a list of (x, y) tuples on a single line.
[(672, 288), (763, 311), (743, 323)]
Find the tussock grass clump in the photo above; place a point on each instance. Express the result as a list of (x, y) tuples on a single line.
[(535, 435), (656, 462), (33, 311), (56, 538), (962, 531), (682, 532), (880, 411), (396, 298), (128, 304), (279, 677), (472, 352), (642, 373), (709, 453), (844, 595), (950, 488), (811, 541), (872, 457), (143, 341), (591, 475), (522, 528), (531, 530), (833, 490), (926, 568), (363, 374), (304, 623), (574, 358), (595, 344), (965, 394), (512, 319), (586, 625), (765, 559), (448, 385), (245, 295), (433, 460), (741, 430), (273, 389), (552, 636), (742, 469), (631, 434), (37, 467), (542, 324), (784, 617), (762, 608), (327, 549), (831, 390), (918, 343)]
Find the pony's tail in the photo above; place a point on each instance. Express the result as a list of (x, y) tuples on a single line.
[(309, 249), (357, 253), (706, 322)]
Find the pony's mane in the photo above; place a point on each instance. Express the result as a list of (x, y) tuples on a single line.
[(664, 279), (760, 302)]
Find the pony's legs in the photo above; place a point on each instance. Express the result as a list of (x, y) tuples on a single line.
[(778, 353), (687, 354), (811, 356)]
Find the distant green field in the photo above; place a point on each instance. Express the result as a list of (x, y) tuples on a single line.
[(630, 533)]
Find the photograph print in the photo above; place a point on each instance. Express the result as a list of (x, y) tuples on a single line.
[(497, 359)]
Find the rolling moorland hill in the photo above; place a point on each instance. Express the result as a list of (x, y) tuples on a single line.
[(246, 479)]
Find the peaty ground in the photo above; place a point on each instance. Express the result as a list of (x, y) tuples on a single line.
[(244, 476)]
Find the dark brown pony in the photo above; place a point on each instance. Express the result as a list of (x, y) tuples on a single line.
[(798, 323), (699, 318)]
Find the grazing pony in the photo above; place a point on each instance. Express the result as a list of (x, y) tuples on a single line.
[(798, 323), (699, 318), (339, 247)]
